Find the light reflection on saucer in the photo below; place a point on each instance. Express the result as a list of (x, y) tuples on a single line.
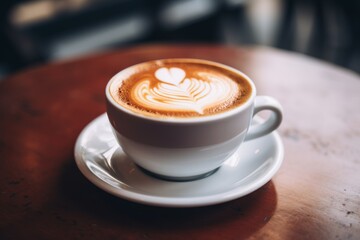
[(103, 162)]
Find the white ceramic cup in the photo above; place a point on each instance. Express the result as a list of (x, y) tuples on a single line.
[(188, 148)]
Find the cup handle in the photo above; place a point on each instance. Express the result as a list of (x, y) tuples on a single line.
[(270, 124)]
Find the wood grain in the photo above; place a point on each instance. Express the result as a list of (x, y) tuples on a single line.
[(315, 195)]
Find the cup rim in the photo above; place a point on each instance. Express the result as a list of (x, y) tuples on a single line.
[(181, 120)]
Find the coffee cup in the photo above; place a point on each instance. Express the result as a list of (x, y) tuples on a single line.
[(181, 119)]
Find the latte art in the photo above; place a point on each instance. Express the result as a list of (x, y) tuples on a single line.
[(179, 88), (175, 92)]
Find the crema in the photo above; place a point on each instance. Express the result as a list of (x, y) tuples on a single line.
[(179, 88)]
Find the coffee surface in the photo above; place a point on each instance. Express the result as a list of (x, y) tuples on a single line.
[(175, 88)]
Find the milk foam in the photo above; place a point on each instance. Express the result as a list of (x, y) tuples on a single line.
[(175, 92)]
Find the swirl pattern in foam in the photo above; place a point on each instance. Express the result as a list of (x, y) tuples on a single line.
[(176, 92), (179, 89)]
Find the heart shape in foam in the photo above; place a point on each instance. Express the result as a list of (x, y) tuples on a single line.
[(176, 92), (172, 75)]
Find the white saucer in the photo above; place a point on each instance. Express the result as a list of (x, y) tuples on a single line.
[(103, 162)]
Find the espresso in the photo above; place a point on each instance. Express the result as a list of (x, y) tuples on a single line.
[(179, 88)]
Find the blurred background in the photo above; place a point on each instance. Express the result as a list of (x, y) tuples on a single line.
[(37, 31)]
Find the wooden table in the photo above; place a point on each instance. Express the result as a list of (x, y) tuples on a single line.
[(315, 195)]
